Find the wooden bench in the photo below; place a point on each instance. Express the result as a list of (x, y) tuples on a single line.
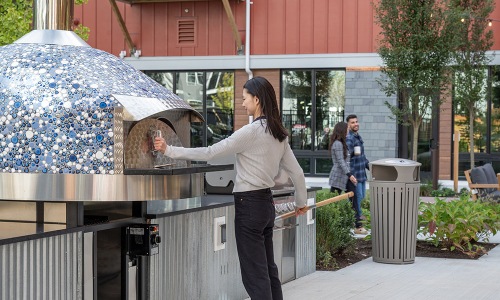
[(483, 182)]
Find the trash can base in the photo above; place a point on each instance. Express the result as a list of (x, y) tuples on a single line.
[(393, 262)]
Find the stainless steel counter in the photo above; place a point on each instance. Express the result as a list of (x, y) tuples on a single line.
[(141, 185)]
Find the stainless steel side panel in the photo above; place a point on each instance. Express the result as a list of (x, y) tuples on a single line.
[(187, 266), (305, 260), (98, 187), (88, 264), (45, 269)]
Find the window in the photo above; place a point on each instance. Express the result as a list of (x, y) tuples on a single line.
[(486, 129), (312, 103), (194, 78), (211, 94)]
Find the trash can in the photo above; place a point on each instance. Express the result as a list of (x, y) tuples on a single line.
[(394, 196)]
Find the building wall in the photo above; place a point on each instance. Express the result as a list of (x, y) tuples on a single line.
[(365, 99), (240, 114), (153, 27), (277, 27)]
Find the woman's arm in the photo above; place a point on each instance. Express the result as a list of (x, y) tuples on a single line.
[(235, 143), (290, 164)]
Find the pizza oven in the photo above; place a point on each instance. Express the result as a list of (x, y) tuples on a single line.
[(77, 123)]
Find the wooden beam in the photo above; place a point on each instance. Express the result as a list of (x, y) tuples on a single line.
[(123, 27), (232, 23)]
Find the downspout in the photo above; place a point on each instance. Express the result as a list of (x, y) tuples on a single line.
[(247, 40)]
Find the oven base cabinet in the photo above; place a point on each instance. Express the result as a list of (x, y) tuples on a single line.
[(194, 260)]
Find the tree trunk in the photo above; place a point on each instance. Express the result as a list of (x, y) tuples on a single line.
[(414, 147)]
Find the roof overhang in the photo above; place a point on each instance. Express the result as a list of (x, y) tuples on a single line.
[(158, 1)]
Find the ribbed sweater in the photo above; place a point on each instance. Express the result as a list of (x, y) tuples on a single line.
[(259, 157)]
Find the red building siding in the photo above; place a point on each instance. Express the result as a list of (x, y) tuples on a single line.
[(320, 26), (335, 27), (277, 27), (276, 37), (292, 15), (496, 25)]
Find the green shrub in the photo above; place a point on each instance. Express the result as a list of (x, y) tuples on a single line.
[(426, 188), (458, 224), (365, 204), (443, 192), (365, 208), (333, 229)]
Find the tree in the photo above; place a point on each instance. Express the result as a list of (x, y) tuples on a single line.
[(415, 46), (224, 97), (223, 103), (16, 20), (474, 39)]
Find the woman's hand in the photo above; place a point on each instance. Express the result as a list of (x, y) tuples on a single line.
[(353, 179), (160, 145), (301, 210)]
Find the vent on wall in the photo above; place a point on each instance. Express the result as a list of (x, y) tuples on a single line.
[(186, 32)]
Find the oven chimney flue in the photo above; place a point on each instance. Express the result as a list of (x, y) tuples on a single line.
[(52, 14)]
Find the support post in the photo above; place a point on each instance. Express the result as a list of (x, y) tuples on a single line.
[(123, 27), (456, 139), (233, 25)]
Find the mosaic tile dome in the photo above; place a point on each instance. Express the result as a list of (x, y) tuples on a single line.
[(57, 107)]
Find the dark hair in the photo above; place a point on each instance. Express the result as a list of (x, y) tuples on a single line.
[(260, 87), (350, 117), (339, 134)]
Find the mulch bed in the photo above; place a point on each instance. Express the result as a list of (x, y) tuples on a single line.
[(363, 250)]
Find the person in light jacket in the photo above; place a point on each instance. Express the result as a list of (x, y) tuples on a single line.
[(341, 179), (261, 150)]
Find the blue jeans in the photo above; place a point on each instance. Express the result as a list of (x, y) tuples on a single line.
[(360, 195), (354, 204)]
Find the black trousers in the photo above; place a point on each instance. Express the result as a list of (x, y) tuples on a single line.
[(254, 222)]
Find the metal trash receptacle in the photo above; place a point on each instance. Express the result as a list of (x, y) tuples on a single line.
[(394, 196)]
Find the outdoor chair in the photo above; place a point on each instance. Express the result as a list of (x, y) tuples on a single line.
[(483, 182)]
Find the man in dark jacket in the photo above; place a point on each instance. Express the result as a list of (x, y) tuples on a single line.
[(358, 165)]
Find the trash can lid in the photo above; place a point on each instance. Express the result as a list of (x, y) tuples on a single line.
[(396, 162)]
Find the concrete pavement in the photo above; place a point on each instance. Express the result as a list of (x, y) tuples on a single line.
[(426, 278)]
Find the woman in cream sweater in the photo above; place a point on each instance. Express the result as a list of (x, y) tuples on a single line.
[(261, 150)]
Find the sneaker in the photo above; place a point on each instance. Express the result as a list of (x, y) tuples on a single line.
[(360, 230)]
